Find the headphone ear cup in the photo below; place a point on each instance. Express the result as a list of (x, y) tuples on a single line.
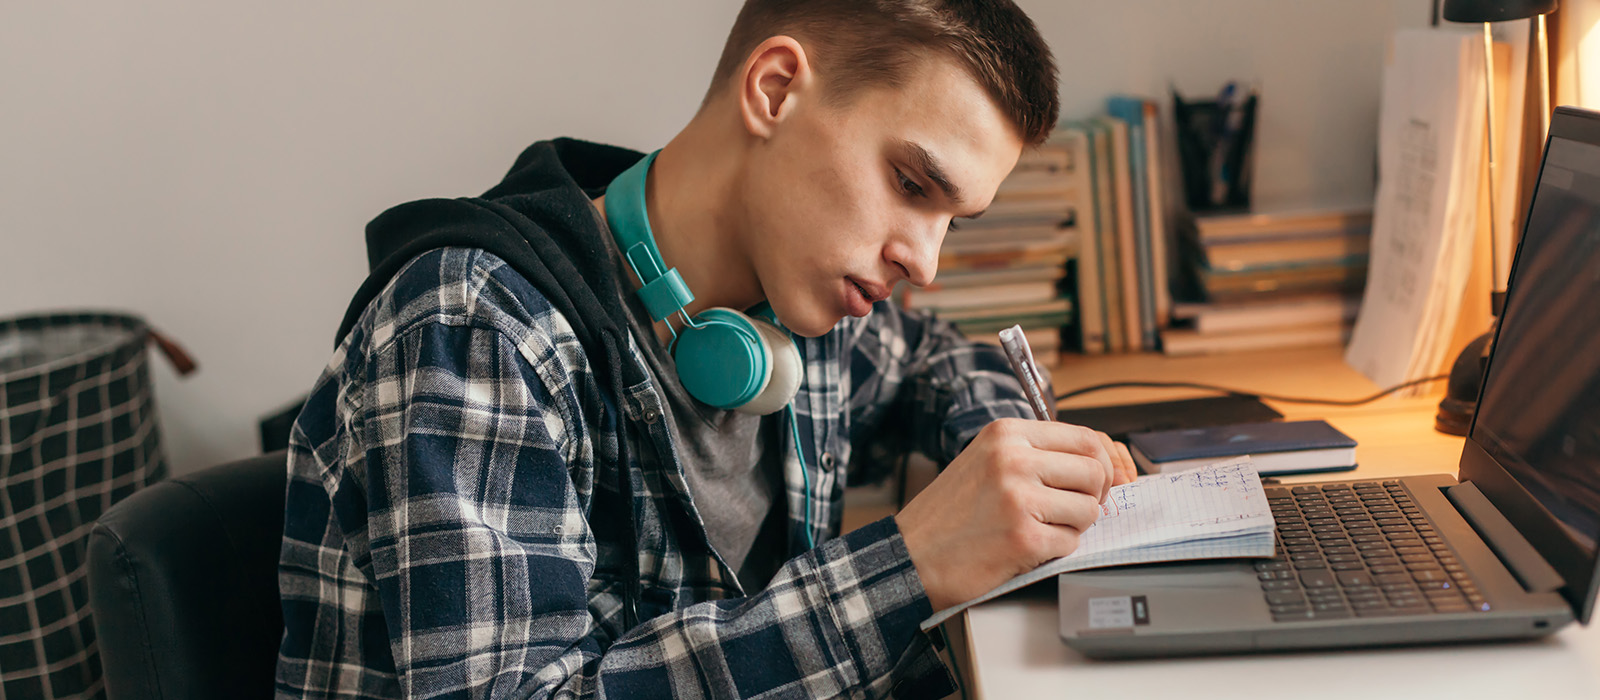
[(787, 371), (722, 360)]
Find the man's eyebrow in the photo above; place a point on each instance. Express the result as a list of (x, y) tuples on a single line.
[(924, 161)]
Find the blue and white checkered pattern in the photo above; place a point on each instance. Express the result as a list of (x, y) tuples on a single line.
[(454, 524)]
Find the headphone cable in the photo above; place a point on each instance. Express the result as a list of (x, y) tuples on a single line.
[(805, 475), (1248, 394)]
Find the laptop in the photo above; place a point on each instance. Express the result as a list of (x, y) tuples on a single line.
[(1506, 552)]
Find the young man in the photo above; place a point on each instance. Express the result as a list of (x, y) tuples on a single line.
[(500, 487)]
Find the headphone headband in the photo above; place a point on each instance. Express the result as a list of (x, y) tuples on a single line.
[(664, 291)]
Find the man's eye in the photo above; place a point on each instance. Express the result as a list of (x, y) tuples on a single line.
[(908, 185)]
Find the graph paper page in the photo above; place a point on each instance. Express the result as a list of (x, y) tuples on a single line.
[(1217, 499), (1216, 511)]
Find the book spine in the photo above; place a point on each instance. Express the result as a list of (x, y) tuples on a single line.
[(1335, 309), (1127, 261), (1131, 110), (1181, 342), (1141, 237), (1105, 216), (968, 297), (1159, 230), (1091, 323)]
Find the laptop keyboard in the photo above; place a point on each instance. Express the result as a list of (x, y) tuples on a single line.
[(1362, 550)]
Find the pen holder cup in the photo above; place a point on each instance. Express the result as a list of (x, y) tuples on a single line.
[(1215, 152)]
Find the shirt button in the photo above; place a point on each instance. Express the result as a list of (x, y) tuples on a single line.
[(651, 415), (827, 460)]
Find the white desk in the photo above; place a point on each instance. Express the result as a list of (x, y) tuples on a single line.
[(1009, 648), (1017, 654)]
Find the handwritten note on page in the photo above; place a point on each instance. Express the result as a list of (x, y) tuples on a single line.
[(1216, 511)]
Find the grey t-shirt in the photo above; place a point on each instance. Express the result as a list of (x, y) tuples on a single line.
[(735, 482)]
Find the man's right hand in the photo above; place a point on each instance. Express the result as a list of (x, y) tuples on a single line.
[(1019, 495)]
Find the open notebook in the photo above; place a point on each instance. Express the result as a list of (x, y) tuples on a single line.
[(1217, 511)]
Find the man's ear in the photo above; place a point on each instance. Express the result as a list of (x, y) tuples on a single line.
[(775, 72)]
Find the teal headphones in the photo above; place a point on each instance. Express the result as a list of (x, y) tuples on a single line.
[(725, 358)]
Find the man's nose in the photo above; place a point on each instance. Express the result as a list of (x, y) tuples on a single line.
[(916, 256)]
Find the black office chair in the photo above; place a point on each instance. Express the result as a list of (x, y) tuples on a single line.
[(183, 583)]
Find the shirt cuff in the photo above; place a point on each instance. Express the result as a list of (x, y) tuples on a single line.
[(878, 603)]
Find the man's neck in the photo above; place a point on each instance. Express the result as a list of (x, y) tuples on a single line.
[(691, 199)]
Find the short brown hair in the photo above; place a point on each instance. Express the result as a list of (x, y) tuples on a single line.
[(861, 43)]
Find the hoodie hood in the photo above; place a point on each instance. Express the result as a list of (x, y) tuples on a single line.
[(540, 221)]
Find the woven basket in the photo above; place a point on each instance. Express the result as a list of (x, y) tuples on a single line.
[(77, 433)]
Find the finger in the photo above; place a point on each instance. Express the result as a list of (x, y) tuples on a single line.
[(1072, 439), (1127, 469), (1071, 472), (1058, 541), (1056, 436), (1113, 469), (1071, 508)]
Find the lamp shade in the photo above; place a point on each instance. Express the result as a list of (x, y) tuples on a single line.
[(1495, 10)]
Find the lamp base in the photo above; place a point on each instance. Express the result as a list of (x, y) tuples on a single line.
[(1460, 402)]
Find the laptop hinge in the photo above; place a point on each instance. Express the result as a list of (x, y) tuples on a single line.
[(1535, 574)]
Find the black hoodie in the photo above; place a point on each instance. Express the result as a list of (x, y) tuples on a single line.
[(541, 222)]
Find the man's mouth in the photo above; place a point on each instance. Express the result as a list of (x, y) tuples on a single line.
[(873, 293), (858, 297)]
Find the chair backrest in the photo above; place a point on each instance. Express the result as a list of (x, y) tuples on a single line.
[(183, 582)]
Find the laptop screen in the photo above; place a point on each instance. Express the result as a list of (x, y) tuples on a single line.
[(1539, 417)]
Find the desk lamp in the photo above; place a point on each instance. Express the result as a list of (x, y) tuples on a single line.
[(1460, 402)]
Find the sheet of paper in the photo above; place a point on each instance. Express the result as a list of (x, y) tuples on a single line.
[(1430, 158), (1212, 512)]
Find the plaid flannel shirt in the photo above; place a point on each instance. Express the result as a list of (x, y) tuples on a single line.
[(452, 525)]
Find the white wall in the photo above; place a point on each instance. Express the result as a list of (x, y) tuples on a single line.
[(211, 165), (1318, 66)]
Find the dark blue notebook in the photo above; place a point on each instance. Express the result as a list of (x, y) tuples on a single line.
[(1277, 447)]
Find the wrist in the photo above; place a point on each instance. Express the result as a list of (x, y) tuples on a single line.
[(921, 563)]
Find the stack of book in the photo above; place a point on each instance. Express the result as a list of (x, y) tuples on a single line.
[(1119, 276), (1269, 280), (1007, 268), (1079, 237)]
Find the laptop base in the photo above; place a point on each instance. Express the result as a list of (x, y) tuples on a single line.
[(1228, 606)]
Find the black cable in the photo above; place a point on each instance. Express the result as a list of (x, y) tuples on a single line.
[(1248, 394)]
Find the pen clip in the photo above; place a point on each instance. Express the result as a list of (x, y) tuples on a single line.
[(1033, 365)]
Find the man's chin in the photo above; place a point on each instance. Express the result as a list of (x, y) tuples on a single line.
[(810, 332), (812, 325)]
